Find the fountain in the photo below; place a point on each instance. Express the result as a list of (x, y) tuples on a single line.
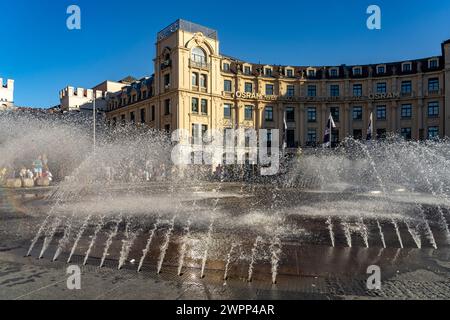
[(165, 245), (183, 247), (147, 246), (258, 242), (379, 191), (98, 228)]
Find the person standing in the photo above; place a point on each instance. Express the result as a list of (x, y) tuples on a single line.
[(37, 166)]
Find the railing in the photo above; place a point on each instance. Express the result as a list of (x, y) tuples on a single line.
[(199, 64), (434, 92)]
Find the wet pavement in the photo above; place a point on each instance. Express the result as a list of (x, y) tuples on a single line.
[(310, 268)]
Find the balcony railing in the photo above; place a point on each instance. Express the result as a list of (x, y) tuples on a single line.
[(434, 92), (199, 64)]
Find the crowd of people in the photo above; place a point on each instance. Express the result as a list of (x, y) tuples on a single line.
[(38, 173)]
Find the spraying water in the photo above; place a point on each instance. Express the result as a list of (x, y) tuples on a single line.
[(229, 260), (165, 245), (98, 228), (276, 250), (257, 243), (414, 234), (329, 223), (38, 234), (381, 234), (64, 241), (49, 237), (364, 231), (184, 243), (208, 243), (347, 233), (397, 231), (147, 246), (109, 241), (130, 236), (78, 238)]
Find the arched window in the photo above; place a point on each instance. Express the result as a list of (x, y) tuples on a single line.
[(198, 55)]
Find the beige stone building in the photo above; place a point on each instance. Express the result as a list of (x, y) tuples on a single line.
[(6, 94), (197, 88)]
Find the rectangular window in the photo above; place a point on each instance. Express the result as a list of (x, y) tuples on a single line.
[(227, 85), (290, 90), (357, 90), (334, 90), (433, 85), (406, 87), (269, 89), (335, 113), (167, 107), (167, 128), (132, 117), (142, 115), (249, 87), (333, 73), (290, 138), (248, 113), (195, 79), (268, 112), (195, 105), (357, 113), (290, 114), (167, 80), (406, 133), (203, 80), (268, 72), (381, 87), (406, 67), (312, 91), (122, 118), (153, 113), (226, 67), (289, 73), (311, 137), (311, 73), (434, 64), (357, 71), (227, 111), (247, 70), (381, 112), (406, 111), (204, 106), (312, 114), (433, 109), (433, 132), (381, 70)]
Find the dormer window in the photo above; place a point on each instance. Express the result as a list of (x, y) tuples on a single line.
[(247, 70), (226, 66), (381, 69), (289, 73), (357, 71), (334, 72), (268, 72), (433, 63), (311, 72), (407, 67)]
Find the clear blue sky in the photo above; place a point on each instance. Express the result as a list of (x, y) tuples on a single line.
[(117, 37)]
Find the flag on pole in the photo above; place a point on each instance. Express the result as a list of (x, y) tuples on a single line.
[(370, 128), (328, 130)]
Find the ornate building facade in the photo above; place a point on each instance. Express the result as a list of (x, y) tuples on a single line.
[(197, 88)]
